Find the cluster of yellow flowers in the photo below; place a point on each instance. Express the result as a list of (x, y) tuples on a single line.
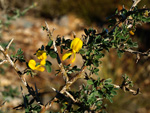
[(41, 55), (76, 45)]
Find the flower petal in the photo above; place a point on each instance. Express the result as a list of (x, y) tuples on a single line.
[(43, 62), (76, 44), (39, 68), (44, 56), (32, 64), (66, 55), (79, 45)]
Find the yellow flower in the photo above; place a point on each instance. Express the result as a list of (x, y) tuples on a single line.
[(43, 62), (32, 65), (76, 45), (42, 56), (131, 32)]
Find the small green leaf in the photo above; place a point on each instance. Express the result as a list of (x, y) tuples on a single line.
[(113, 93), (103, 89), (19, 52), (109, 86), (52, 54), (48, 66), (108, 80), (96, 70), (109, 98), (99, 56), (50, 43), (90, 82), (96, 63)]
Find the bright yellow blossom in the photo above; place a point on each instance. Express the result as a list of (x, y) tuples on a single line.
[(42, 56), (76, 45), (32, 65)]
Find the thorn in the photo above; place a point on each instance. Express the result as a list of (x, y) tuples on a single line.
[(54, 89), (3, 61), (36, 89), (9, 44)]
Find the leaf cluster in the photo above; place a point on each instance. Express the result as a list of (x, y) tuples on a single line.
[(18, 56), (92, 96)]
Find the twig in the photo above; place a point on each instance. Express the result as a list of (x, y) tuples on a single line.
[(70, 96), (1, 49), (50, 34), (147, 53), (9, 44), (74, 79), (134, 92), (7, 57), (138, 53), (66, 93), (66, 87), (48, 31), (135, 2), (125, 86), (3, 61)]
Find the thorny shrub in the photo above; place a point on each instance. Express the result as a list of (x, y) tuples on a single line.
[(91, 45)]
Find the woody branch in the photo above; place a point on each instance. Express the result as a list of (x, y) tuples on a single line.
[(50, 34), (7, 58)]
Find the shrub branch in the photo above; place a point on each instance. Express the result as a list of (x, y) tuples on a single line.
[(20, 73), (50, 34)]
